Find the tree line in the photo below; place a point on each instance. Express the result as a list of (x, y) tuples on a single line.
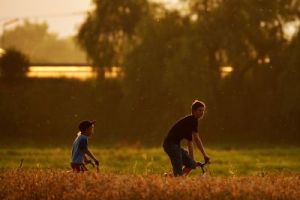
[(169, 57), (172, 56)]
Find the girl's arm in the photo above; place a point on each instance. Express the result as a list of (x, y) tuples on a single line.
[(92, 156)]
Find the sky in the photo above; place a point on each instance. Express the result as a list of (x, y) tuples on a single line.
[(65, 16), (57, 13)]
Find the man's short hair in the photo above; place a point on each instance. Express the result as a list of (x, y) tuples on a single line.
[(197, 104)]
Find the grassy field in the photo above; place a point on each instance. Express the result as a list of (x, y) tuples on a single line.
[(137, 173), (225, 161), (60, 184)]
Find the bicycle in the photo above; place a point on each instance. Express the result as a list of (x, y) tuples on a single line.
[(186, 170)]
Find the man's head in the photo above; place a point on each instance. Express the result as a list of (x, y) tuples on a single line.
[(198, 108), (87, 127)]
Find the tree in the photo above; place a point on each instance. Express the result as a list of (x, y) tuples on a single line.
[(108, 28), (35, 40), (249, 36), (172, 57), (13, 65), (289, 91), (165, 71)]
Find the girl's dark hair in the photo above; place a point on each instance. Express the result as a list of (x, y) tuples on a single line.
[(197, 104), (84, 125)]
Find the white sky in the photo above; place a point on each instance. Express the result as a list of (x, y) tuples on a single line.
[(38, 10), (47, 10)]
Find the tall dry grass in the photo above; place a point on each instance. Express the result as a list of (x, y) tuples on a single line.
[(59, 184)]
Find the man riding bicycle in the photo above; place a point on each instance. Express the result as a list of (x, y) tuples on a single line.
[(186, 128)]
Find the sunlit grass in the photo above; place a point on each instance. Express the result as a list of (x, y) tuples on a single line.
[(137, 173), (154, 161), (60, 184)]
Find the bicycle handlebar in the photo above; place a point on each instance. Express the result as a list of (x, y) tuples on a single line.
[(201, 165)]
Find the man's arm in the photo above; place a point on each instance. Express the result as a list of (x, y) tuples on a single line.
[(197, 140), (190, 149)]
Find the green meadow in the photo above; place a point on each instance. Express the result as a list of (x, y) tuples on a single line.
[(224, 161)]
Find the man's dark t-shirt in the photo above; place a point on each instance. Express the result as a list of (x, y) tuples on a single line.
[(183, 129)]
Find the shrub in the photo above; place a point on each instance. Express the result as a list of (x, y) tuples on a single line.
[(13, 65)]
